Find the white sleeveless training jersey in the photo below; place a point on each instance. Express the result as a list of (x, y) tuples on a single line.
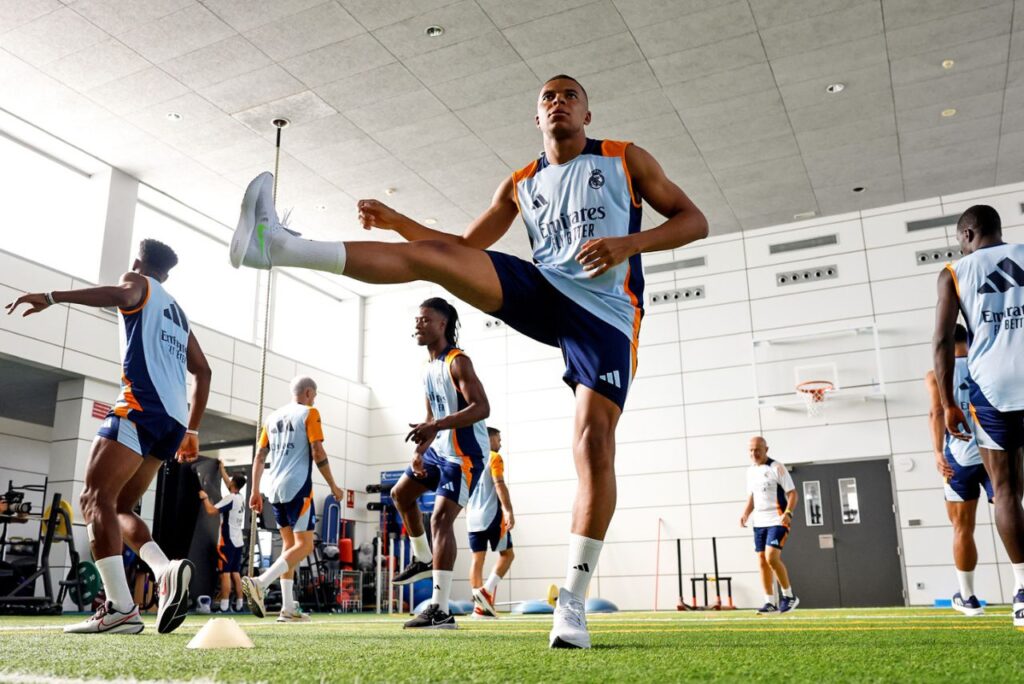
[(768, 483), (232, 517), (483, 503), (154, 346), (564, 206), (964, 453), (990, 286), (445, 399), (289, 433)]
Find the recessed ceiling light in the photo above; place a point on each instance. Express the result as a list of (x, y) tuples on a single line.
[(434, 31), (949, 112), (430, 221), (859, 188), (174, 116), (390, 191), (835, 88), (948, 64), (320, 207), (280, 122), (804, 215)]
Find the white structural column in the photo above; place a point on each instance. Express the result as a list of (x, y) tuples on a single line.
[(120, 193)]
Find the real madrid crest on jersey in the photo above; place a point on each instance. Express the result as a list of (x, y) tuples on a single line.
[(596, 179)]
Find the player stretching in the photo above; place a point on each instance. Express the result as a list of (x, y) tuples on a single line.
[(987, 286), (293, 438), (771, 501), (963, 473), (448, 460), (581, 204), (150, 421), (489, 520), (231, 510)]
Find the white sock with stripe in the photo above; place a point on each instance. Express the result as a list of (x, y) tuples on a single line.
[(115, 584), (289, 250), (583, 555), (279, 567), (442, 588), (966, 580), (492, 583), (288, 595)]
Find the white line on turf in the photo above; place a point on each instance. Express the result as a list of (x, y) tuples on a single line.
[(18, 678)]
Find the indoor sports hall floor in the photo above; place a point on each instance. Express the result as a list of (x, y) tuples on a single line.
[(909, 644)]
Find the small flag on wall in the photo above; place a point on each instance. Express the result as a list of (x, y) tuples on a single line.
[(100, 410)]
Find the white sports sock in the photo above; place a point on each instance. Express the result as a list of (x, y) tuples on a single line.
[(1018, 574), (420, 548), (115, 583), (583, 555), (492, 583), (153, 556), (442, 588), (966, 579), (289, 250), (787, 592), (769, 598), (224, 605), (279, 567), (288, 594), (239, 604)]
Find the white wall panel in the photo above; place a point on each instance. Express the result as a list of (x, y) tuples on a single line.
[(848, 234), (827, 304), (891, 228), (713, 321), (658, 359), (721, 417), (850, 269)]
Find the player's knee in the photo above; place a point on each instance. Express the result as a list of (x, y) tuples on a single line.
[(762, 559), (430, 253), (508, 555)]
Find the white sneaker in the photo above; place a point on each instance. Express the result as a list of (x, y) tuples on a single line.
[(107, 620), (173, 596), (254, 594), (293, 616), (570, 627), (258, 224)]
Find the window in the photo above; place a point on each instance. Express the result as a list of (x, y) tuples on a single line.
[(848, 500), (315, 328), (52, 214), (812, 503), (211, 292)]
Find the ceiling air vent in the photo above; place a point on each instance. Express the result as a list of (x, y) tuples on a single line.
[(925, 224), (938, 254), (676, 265), (821, 241), (674, 296)]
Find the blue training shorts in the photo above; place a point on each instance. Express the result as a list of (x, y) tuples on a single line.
[(299, 513), (448, 478), (597, 355), (496, 536), (770, 536), (147, 434)]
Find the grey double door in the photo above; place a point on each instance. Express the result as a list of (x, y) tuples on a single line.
[(843, 548)]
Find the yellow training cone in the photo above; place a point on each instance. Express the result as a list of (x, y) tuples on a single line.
[(221, 633)]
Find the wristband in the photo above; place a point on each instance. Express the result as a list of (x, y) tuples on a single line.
[(788, 512), (49, 298), (192, 432)]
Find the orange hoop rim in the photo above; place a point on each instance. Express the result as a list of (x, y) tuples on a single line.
[(815, 388)]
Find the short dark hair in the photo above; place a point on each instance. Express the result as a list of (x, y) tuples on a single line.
[(567, 77), (959, 333), (491, 431), (239, 481), (451, 326), (982, 218), (157, 256)]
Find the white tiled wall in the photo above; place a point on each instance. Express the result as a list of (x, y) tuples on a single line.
[(682, 440)]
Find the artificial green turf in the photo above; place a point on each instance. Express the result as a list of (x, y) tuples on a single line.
[(850, 645)]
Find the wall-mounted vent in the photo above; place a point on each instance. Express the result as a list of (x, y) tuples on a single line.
[(676, 296), (695, 262), (938, 254), (925, 224), (821, 241), (806, 275)]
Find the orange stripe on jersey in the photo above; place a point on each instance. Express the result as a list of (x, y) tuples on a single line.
[(467, 462), (956, 283), (527, 171), (314, 426), (305, 505), (448, 360), (636, 317), (127, 400), (617, 148), (137, 309)]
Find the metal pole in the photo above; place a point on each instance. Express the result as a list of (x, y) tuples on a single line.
[(401, 564), (714, 555), (391, 574), (378, 560)]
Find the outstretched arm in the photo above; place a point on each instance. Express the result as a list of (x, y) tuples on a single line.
[(944, 346), (685, 224), (481, 233), (127, 294)]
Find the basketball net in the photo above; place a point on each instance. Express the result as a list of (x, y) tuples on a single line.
[(813, 393)]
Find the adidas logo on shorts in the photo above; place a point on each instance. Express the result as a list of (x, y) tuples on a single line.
[(448, 486), (612, 378)]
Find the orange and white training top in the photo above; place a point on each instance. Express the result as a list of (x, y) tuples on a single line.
[(483, 502), (458, 445), (290, 433), (564, 206)]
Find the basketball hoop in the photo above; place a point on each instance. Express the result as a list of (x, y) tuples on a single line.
[(813, 392)]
